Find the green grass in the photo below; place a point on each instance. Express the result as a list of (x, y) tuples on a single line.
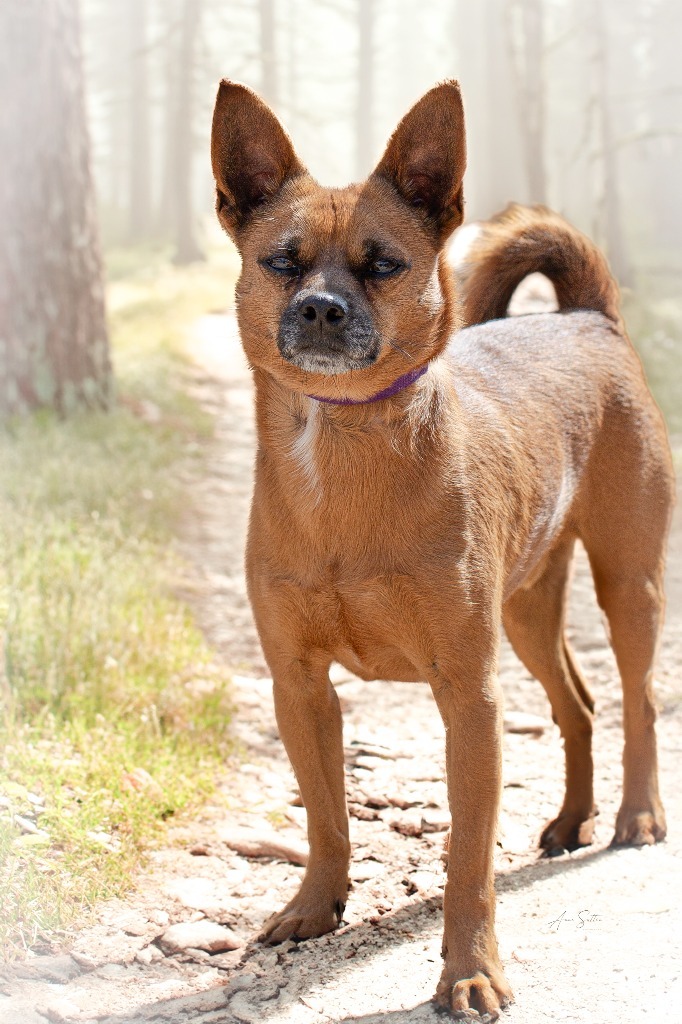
[(114, 714)]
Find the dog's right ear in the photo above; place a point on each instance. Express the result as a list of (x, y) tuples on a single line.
[(251, 154)]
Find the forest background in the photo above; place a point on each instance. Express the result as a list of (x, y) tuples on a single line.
[(573, 103), (115, 713)]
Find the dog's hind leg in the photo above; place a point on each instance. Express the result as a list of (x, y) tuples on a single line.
[(631, 596), (534, 622), (634, 609), (582, 689), (623, 524)]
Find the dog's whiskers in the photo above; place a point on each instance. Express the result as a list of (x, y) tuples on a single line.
[(402, 351)]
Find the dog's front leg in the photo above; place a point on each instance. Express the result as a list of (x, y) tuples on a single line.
[(309, 720), (470, 705)]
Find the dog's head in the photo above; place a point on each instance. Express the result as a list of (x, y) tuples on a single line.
[(340, 280)]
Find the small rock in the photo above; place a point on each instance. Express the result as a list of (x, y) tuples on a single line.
[(520, 722), (140, 781), (365, 870), (240, 983), (198, 954), (132, 922), (435, 821), (84, 960), (373, 800), (19, 1013), (402, 803), (250, 843), (26, 825), (32, 839), (110, 971), (59, 969), (159, 917), (362, 813), (226, 961), (101, 838), (409, 824), (206, 935), (195, 893), (61, 1011), (423, 882)]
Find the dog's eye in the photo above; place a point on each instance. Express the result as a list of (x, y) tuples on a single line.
[(283, 264), (382, 267)]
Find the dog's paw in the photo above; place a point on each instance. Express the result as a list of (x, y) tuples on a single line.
[(567, 832), (637, 827), (478, 998), (303, 918)]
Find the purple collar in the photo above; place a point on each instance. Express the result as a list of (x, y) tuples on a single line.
[(398, 385)]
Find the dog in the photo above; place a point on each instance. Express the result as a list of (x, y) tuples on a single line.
[(417, 485)]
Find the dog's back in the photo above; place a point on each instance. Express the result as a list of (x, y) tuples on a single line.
[(564, 390)]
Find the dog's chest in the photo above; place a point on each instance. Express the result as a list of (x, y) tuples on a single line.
[(374, 627), (344, 469)]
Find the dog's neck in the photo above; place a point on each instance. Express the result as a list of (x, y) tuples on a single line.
[(406, 381), (402, 402), (318, 462)]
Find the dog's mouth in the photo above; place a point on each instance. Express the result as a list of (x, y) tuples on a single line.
[(329, 362), (328, 353)]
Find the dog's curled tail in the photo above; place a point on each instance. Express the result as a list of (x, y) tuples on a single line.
[(526, 239)]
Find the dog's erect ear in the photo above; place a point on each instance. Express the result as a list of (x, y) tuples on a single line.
[(251, 154), (426, 157)]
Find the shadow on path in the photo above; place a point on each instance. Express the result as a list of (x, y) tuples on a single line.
[(287, 982)]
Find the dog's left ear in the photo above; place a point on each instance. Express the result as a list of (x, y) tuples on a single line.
[(251, 154), (426, 157)]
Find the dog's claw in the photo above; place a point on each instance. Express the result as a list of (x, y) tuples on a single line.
[(478, 998), (303, 918), (554, 851), (566, 833), (639, 827)]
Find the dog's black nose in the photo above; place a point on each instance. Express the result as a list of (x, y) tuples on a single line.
[(322, 308)]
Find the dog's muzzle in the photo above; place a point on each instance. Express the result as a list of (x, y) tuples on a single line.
[(321, 333)]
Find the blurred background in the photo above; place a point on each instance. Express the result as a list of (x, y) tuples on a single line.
[(114, 710), (575, 103), (570, 102)]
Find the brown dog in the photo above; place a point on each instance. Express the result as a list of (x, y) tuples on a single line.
[(399, 515)]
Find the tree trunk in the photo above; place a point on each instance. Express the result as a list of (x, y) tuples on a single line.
[(53, 339), (186, 247), (140, 135), (616, 248), (663, 113), (365, 95), (531, 89), (292, 66), (164, 225), (496, 171), (269, 90)]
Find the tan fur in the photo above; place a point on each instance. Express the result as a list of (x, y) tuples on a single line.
[(523, 240), (394, 537)]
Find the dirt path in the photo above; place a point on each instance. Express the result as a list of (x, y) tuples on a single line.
[(591, 936)]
